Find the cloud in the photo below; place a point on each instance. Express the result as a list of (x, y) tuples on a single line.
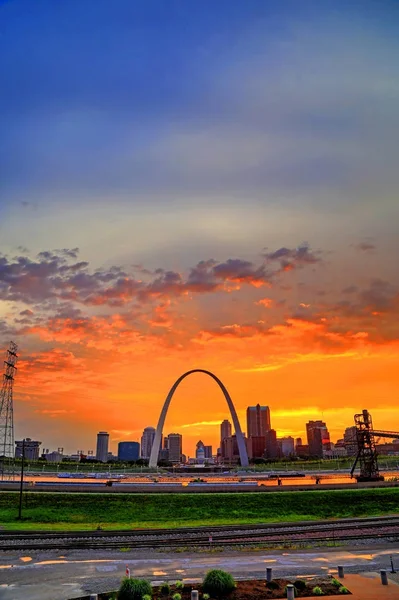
[(266, 302), (365, 246), (294, 258), (57, 276)]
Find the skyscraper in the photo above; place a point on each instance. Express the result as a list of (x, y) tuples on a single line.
[(146, 442), (318, 438), (258, 420), (102, 446), (175, 445), (225, 431)]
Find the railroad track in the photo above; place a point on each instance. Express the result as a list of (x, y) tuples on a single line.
[(348, 529)]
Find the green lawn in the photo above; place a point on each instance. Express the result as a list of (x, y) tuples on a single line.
[(51, 510)]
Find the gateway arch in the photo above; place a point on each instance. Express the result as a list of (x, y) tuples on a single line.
[(158, 434)]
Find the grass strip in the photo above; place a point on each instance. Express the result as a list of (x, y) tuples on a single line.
[(72, 511)]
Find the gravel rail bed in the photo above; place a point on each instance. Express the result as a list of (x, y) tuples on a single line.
[(227, 536)]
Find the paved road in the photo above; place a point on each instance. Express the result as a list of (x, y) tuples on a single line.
[(49, 576)]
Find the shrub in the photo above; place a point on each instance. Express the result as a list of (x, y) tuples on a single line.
[(176, 596), (164, 588), (300, 584), (335, 582), (179, 585), (318, 591), (205, 596), (146, 597), (272, 585), (218, 583), (343, 590), (134, 589)]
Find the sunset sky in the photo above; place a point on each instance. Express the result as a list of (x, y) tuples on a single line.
[(199, 184)]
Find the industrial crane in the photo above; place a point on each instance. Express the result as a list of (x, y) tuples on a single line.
[(366, 447)]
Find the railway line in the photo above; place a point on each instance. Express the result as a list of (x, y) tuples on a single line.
[(240, 535)]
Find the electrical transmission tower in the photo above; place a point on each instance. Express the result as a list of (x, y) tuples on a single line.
[(7, 414)]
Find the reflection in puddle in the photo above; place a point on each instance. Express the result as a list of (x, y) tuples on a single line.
[(158, 573), (321, 559), (25, 558), (64, 562), (268, 560)]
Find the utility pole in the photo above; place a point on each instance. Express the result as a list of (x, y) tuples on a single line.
[(7, 449), (21, 486)]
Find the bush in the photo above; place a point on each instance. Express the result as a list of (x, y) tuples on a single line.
[(343, 590), (205, 596), (300, 584), (218, 583), (272, 585), (179, 585), (146, 597), (164, 588), (176, 596), (318, 591), (134, 589)]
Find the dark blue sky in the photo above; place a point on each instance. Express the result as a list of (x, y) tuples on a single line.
[(190, 103)]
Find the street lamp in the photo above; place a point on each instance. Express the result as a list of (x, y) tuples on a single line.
[(22, 480)]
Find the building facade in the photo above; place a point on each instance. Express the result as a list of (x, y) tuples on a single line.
[(258, 420), (271, 444), (208, 452), (102, 446), (287, 446), (128, 451), (350, 441), (147, 440), (256, 446)]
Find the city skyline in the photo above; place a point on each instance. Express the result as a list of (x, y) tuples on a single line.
[(148, 434), (210, 186)]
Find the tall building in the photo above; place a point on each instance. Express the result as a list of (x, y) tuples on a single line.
[(318, 438), (298, 442), (225, 431), (128, 451), (102, 446), (147, 440), (258, 420), (31, 449), (175, 446)]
